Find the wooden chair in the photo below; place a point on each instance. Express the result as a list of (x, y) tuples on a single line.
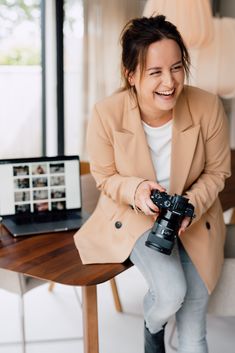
[(90, 195)]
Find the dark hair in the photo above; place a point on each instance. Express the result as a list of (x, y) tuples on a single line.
[(136, 37)]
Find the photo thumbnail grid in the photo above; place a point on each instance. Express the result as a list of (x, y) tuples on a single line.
[(39, 187)]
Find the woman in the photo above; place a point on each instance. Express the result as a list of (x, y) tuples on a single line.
[(158, 133)]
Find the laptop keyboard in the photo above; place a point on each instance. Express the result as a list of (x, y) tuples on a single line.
[(45, 218)]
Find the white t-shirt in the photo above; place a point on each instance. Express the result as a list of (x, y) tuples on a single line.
[(159, 142)]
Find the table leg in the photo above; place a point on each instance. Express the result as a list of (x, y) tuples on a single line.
[(90, 319)]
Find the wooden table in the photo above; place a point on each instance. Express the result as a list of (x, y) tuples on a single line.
[(53, 257)]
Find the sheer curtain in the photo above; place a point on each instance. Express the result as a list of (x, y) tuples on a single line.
[(103, 22)]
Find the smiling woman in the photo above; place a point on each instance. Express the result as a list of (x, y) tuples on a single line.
[(157, 133), (161, 82)]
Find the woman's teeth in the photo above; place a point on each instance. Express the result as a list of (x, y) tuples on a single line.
[(166, 93)]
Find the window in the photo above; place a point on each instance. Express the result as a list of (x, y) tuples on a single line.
[(20, 78), (40, 113)]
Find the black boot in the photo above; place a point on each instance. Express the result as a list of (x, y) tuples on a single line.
[(154, 343)]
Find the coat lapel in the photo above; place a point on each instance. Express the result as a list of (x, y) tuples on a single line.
[(184, 141), (134, 140)]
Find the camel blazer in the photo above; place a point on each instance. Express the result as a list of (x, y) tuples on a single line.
[(120, 160)]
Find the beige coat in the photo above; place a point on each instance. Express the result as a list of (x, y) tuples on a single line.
[(120, 159)]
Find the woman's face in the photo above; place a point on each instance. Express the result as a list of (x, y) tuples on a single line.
[(162, 80)]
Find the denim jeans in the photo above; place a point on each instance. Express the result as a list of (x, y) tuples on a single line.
[(174, 288)]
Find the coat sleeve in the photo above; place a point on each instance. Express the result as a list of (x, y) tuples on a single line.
[(102, 161), (203, 193)]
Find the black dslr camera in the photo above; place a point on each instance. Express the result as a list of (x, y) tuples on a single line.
[(165, 229)]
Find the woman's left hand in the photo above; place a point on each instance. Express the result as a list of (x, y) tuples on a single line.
[(185, 223)]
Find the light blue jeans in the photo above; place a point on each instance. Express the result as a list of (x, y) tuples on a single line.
[(174, 288)]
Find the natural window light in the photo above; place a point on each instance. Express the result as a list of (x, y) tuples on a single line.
[(20, 78)]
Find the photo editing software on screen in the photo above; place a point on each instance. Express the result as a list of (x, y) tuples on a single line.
[(39, 187)]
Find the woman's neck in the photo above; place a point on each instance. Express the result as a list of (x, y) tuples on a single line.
[(157, 120)]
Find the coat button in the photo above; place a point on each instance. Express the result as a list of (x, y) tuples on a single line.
[(118, 224), (208, 226)]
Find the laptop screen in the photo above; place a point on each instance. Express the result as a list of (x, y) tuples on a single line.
[(32, 185)]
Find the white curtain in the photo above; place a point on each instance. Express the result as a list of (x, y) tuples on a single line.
[(212, 65), (193, 18), (104, 20)]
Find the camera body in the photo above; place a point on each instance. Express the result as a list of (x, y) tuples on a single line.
[(173, 209)]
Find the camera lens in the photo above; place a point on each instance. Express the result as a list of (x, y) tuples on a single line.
[(165, 230), (162, 235)]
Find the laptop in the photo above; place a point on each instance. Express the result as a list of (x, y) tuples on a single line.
[(41, 195)]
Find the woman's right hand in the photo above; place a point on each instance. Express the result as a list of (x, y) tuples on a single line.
[(142, 197)]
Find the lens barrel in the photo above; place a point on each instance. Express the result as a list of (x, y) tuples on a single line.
[(164, 231), (173, 209)]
